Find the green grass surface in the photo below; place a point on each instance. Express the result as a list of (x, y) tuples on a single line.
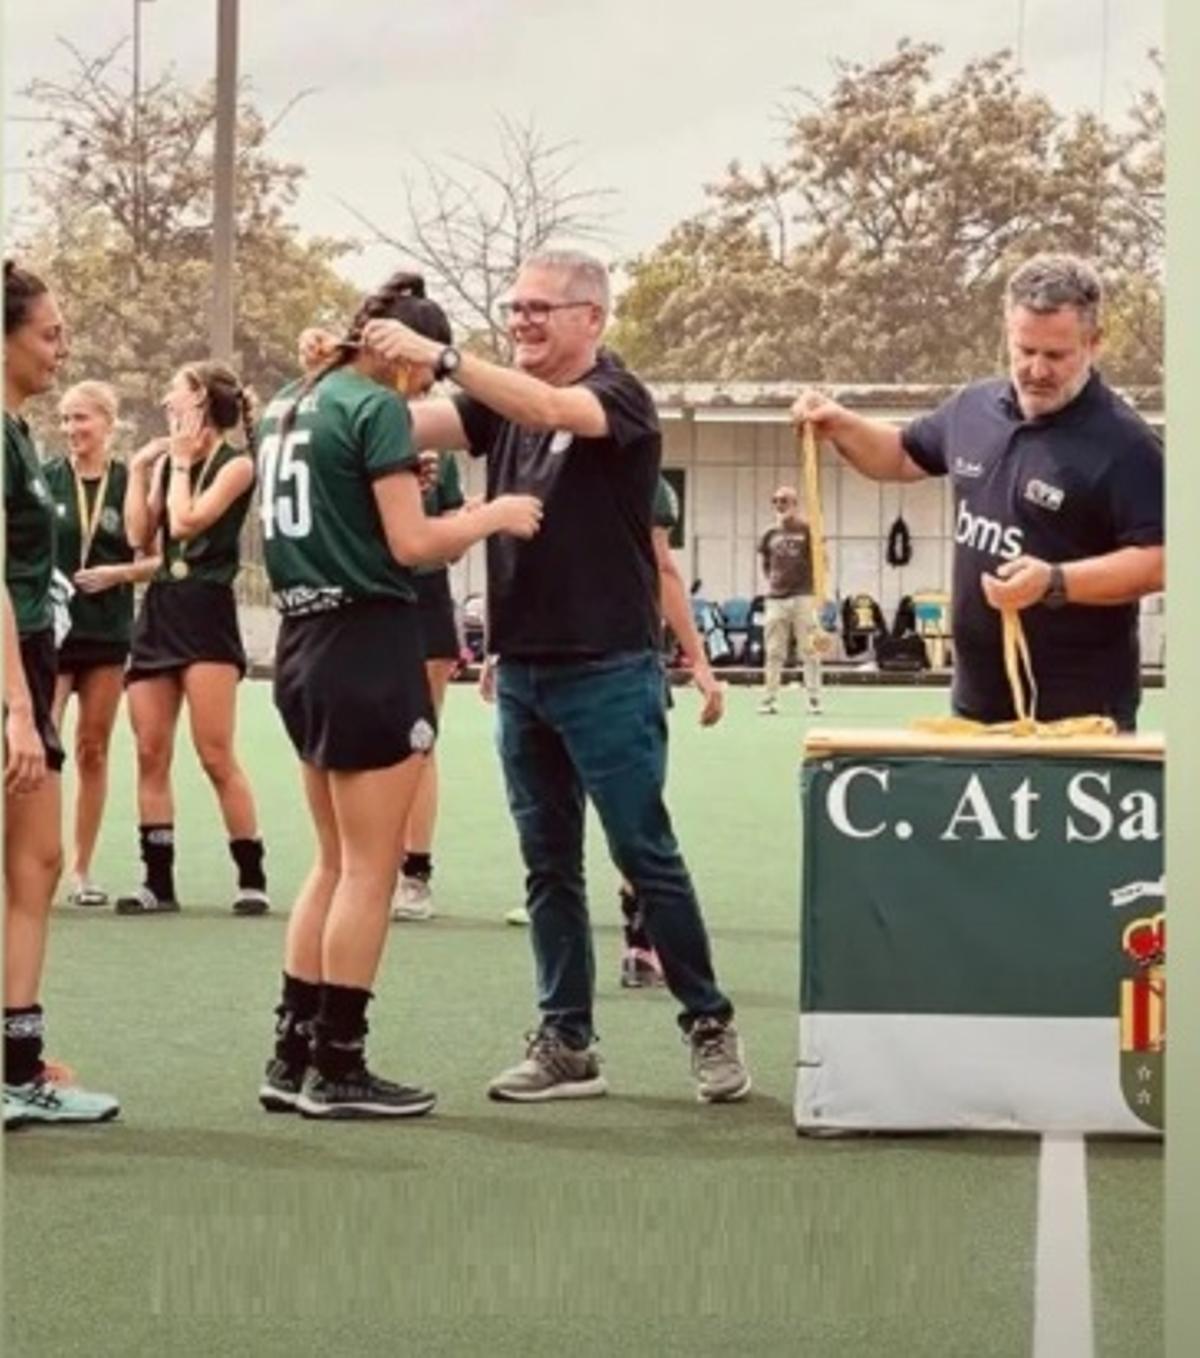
[(640, 1224)]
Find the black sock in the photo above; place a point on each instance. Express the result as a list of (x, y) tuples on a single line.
[(23, 1029), (295, 1013), (419, 865), (248, 855), (635, 927), (340, 1030), (158, 854)]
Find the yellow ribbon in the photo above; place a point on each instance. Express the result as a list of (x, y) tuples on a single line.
[(1016, 660), (89, 523)]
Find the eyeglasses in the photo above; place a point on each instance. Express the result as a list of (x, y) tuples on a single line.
[(537, 313)]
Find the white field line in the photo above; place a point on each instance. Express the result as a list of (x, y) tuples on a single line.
[(1062, 1308)]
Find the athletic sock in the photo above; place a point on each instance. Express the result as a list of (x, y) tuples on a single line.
[(248, 855), (419, 865), (158, 854), (635, 927), (23, 1029), (295, 1013), (340, 1030)]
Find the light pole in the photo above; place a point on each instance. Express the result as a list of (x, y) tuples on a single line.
[(138, 175), (224, 152)]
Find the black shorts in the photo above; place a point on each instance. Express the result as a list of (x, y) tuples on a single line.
[(350, 686), (182, 623), (435, 605), (77, 655), (40, 662)]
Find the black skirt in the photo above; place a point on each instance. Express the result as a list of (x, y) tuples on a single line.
[(350, 686), (77, 655), (181, 623), (40, 662), (435, 605)]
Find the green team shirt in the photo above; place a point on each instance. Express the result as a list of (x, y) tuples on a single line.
[(324, 540), (213, 555), (107, 616), (444, 496), (666, 505), (29, 525)]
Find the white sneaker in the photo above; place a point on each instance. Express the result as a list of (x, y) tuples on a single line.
[(768, 707), (413, 900), (518, 917), (814, 705)]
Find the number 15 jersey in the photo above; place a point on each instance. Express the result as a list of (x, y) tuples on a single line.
[(323, 537)]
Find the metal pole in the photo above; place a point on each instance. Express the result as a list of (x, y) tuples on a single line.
[(137, 127), (221, 337)]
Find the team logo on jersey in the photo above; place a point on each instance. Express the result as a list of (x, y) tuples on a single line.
[(40, 491), (421, 737), (110, 520), (562, 440), (61, 510), (1043, 495), (1143, 1004), (963, 467)]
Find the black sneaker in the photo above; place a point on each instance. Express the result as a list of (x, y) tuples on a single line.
[(281, 1086), (250, 901), (144, 902), (359, 1094)]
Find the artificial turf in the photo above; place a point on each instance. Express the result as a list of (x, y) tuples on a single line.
[(638, 1224)]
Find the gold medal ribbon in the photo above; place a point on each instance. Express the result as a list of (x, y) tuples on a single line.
[(89, 523), (179, 567)]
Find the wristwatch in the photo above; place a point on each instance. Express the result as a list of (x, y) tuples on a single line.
[(446, 363), (1056, 591)]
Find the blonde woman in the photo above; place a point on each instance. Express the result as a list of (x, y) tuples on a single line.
[(92, 550)]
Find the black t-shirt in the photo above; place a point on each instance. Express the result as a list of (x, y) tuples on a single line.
[(1080, 482), (587, 584)]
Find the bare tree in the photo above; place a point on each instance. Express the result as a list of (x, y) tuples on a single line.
[(469, 223)]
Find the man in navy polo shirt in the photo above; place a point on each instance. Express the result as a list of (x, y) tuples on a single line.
[(1058, 503), (576, 624)]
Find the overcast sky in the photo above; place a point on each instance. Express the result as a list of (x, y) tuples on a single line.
[(658, 94)]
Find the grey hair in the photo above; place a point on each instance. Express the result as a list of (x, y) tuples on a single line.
[(1048, 283), (587, 278)]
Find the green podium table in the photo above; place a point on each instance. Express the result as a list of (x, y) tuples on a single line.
[(982, 933)]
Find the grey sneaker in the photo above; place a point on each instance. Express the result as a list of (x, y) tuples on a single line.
[(412, 900), (550, 1070), (718, 1062)]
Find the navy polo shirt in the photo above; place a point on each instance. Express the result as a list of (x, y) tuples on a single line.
[(1080, 482)]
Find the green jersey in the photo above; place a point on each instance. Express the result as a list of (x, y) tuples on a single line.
[(91, 513), (444, 496), (213, 555), (28, 529), (666, 505), (324, 540)]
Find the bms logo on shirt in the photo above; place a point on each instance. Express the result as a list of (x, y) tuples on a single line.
[(987, 535)]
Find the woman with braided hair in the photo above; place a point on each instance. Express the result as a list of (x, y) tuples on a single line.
[(186, 501), (343, 528)]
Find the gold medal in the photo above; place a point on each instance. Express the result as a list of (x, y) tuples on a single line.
[(89, 522), (179, 569)]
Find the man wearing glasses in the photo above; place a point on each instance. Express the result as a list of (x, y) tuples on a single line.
[(575, 620), (786, 552)]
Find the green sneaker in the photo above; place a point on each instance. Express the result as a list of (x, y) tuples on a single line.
[(718, 1062), (281, 1086), (550, 1070), (45, 1100), (359, 1094)]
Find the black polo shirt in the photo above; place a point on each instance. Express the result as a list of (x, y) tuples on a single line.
[(1080, 482), (587, 585)]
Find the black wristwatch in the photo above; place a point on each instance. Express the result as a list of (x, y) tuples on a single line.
[(446, 363), (1056, 591)]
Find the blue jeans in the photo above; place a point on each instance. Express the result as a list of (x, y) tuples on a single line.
[(597, 729)]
